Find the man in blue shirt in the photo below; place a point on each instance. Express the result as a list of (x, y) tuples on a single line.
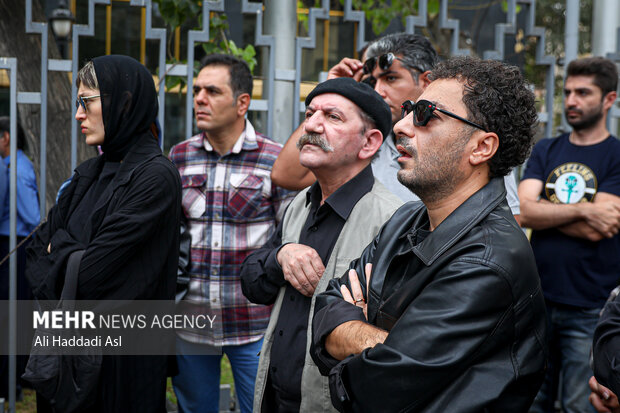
[(28, 215), (570, 197), (28, 218)]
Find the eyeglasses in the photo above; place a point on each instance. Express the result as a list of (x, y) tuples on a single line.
[(81, 101), (385, 61), (423, 112)]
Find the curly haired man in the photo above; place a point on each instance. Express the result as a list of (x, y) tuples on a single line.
[(452, 318)]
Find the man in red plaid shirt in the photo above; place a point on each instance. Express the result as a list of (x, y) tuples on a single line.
[(231, 209)]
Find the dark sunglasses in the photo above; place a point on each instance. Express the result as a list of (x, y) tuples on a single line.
[(423, 112), (385, 62), (81, 101)]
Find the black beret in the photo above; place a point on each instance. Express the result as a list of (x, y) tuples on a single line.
[(362, 95)]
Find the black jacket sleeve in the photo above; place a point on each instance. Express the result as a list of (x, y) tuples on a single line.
[(606, 347), (261, 274)]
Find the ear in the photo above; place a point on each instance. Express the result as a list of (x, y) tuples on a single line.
[(373, 138), (484, 146), (243, 103), (609, 100), (424, 80)]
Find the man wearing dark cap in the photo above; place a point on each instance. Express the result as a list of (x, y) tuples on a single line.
[(324, 227)]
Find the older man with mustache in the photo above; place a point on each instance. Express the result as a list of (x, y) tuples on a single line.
[(324, 227)]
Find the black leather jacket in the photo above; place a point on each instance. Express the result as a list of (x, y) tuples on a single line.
[(464, 311)]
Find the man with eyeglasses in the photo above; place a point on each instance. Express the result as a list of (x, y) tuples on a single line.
[(397, 66), (231, 208), (570, 197), (443, 311)]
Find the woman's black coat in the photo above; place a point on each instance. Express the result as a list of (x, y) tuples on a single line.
[(131, 253)]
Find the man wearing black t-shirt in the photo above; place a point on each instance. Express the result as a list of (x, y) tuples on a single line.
[(570, 197)]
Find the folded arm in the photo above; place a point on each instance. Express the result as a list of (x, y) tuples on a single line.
[(590, 220), (438, 337)]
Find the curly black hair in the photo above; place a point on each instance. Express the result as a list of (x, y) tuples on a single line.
[(497, 97)]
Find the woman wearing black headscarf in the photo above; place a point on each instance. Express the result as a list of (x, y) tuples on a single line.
[(122, 210)]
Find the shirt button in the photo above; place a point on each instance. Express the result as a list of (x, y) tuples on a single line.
[(281, 332), (217, 215), (216, 244), (219, 188), (213, 272), (313, 228), (214, 300)]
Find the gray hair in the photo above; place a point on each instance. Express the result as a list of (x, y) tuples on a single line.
[(414, 50), (367, 122)]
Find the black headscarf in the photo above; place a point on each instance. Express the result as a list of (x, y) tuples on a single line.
[(128, 100)]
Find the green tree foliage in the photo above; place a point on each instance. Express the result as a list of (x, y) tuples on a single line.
[(177, 12)]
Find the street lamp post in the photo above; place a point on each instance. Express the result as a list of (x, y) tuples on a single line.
[(61, 20)]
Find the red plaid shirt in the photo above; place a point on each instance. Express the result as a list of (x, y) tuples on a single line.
[(232, 209)]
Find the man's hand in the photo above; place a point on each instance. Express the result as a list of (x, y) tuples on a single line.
[(302, 267), (603, 399), (356, 296), (604, 216), (347, 67)]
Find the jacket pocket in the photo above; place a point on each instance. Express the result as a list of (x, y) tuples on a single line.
[(245, 197), (194, 199)]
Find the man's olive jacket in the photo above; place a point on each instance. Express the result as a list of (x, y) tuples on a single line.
[(463, 308)]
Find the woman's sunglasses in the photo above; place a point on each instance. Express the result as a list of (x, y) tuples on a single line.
[(423, 112), (81, 101)]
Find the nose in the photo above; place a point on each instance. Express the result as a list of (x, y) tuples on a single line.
[(314, 124), (569, 100), (404, 127), (201, 97), (80, 114), (379, 88)]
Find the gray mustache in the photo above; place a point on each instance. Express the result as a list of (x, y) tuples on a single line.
[(314, 139)]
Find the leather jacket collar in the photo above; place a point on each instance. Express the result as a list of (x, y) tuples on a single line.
[(459, 222)]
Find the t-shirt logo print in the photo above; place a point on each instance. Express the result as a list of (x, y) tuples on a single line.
[(571, 183)]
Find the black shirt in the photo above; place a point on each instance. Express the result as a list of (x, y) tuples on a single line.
[(262, 277)]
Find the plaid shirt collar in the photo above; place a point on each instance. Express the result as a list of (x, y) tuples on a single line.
[(245, 142)]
